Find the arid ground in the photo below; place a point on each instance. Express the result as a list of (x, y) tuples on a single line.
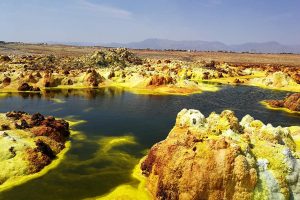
[(228, 57)]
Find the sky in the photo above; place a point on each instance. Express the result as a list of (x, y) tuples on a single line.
[(104, 21)]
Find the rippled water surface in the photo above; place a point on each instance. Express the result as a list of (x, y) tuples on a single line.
[(119, 127)]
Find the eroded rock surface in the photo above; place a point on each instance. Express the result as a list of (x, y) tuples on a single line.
[(220, 157), (29, 143), (291, 102), (276, 80)]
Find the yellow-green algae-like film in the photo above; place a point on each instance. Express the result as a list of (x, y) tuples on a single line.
[(128, 191), (135, 189), (19, 179)]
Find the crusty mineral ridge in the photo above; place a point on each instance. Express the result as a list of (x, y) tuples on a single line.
[(219, 157), (121, 68), (29, 143), (277, 80), (291, 102)]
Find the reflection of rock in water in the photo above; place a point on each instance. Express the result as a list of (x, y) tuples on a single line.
[(66, 93), (27, 95), (219, 157)]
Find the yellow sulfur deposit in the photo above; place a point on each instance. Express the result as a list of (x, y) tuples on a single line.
[(130, 192), (122, 69), (220, 157), (28, 150)]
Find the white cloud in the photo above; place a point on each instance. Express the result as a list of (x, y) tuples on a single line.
[(105, 9)]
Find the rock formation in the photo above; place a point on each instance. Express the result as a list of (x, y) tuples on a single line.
[(92, 78), (220, 157), (160, 80), (291, 102), (27, 87), (121, 68), (29, 143), (276, 80), (119, 57)]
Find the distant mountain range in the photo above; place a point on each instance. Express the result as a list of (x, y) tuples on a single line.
[(265, 47), (160, 44)]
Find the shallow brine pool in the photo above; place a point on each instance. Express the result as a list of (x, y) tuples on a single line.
[(118, 129)]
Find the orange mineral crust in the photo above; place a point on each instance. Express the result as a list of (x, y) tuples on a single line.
[(219, 157)]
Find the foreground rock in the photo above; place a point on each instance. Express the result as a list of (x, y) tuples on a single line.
[(219, 157), (291, 102), (29, 143)]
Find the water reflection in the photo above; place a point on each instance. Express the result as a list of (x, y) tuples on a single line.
[(66, 93)]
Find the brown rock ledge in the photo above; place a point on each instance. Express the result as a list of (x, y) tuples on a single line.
[(29, 143)]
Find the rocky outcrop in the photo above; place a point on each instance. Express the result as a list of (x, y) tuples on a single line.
[(49, 80), (220, 157), (27, 87), (291, 102), (157, 80), (93, 78), (6, 81), (121, 68), (277, 79), (119, 57), (29, 143)]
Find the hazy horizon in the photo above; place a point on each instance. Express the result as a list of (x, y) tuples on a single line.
[(103, 43), (124, 21)]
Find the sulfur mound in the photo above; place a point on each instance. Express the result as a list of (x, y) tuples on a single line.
[(277, 80), (119, 57), (29, 143), (220, 157), (291, 102)]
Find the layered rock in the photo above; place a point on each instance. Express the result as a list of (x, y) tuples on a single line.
[(29, 143), (219, 157), (291, 102)]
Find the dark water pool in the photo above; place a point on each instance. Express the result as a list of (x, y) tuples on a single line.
[(119, 127)]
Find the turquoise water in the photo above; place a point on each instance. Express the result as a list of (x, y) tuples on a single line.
[(91, 168)]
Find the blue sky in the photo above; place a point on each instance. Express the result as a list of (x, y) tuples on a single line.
[(228, 21)]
